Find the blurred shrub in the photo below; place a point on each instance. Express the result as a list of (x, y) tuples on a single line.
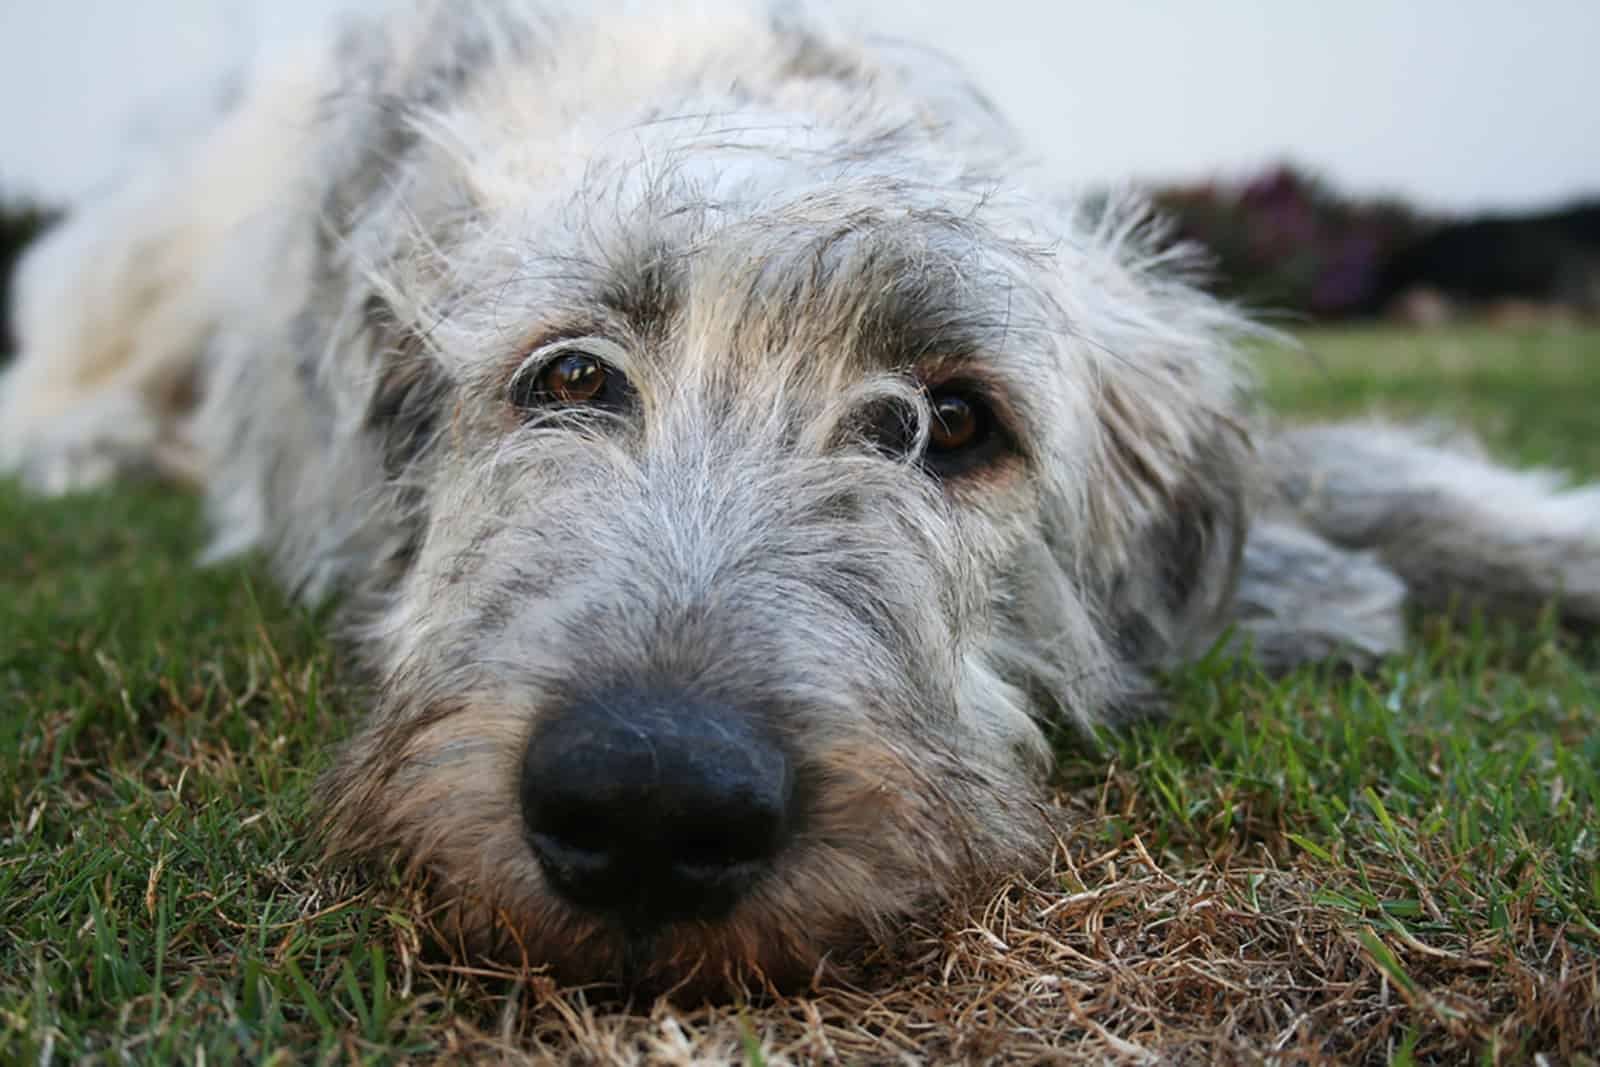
[(21, 222), (1285, 242)]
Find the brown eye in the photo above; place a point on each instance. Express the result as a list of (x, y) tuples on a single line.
[(571, 379), (964, 433), (958, 423), (574, 379)]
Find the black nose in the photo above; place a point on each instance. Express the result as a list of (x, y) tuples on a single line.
[(653, 807)]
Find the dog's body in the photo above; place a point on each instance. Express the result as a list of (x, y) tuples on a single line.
[(726, 462)]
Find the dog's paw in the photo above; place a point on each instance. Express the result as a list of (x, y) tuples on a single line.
[(1301, 599), (1574, 546), (55, 451)]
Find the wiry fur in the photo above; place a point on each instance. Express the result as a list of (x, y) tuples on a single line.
[(771, 228)]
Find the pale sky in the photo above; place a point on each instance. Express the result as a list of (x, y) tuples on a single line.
[(1460, 104)]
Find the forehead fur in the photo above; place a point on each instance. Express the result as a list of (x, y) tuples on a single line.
[(780, 196)]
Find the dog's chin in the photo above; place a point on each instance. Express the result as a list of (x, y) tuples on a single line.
[(749, 953), (881, 844)]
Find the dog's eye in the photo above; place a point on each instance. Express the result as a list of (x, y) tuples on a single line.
[(959, 422), (963, 433), (572, 379), (575, 379)]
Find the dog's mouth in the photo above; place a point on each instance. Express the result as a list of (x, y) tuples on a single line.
[(644, 845), (754, 949), (644, 890)]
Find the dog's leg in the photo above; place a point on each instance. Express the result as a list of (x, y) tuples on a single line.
[(1303, 600), (1463, 533)]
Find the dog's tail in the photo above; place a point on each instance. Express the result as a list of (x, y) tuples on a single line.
[(1360, 518)]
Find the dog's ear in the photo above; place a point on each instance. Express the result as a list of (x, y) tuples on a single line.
[(1168, 597), (404, 416), (1159, 494), (1142, 544), (409, 394)]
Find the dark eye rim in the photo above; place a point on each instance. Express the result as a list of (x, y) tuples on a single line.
[(528, 393), (890, 428)]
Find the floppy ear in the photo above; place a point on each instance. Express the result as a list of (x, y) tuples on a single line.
[(408, 394), (1166, 487), (1144, 539), (1169, 599)]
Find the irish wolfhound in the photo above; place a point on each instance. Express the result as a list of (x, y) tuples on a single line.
[(728, 458)]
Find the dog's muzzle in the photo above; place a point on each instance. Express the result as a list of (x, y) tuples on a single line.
[(650, 807)]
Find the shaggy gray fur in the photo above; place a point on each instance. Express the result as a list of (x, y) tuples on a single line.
[(775, 233)]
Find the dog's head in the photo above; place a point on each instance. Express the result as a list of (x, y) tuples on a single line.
[(763, 485)]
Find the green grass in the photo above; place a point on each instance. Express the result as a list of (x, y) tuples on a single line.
[(1421, 842)]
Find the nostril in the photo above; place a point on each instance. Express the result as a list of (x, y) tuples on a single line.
[(655, 807), (569, 862)]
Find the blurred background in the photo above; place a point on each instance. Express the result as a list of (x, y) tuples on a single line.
[(1424, 159)]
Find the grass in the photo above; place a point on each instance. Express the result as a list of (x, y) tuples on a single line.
[(1399, 867)]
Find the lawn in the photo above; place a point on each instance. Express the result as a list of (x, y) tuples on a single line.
[(1399, 867)]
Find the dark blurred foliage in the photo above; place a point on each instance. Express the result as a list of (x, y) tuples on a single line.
[(1549, 258), (21, 222), (1286, 242)]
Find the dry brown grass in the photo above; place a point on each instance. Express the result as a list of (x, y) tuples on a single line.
[(1116, 957)]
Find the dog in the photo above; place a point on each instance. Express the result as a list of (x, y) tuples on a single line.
[(730, 461)]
